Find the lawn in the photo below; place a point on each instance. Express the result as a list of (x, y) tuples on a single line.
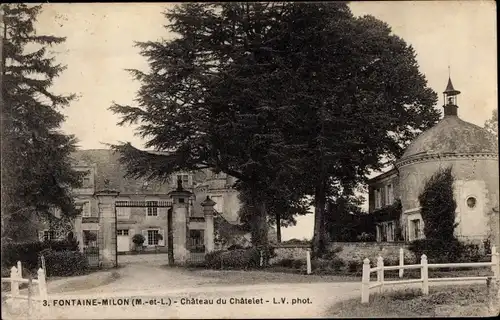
[(243, 277), (276, 274), (442, 301)]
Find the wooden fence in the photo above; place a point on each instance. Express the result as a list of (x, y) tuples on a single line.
[(16, 278), (424, 267)]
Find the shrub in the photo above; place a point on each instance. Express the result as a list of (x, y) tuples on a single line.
[(337, 264), (391, 261), (470, 253), (213, 259), (234, 259), (355, 266), (298, 263), (138, 239), (28, 252), (286, 263), (297, 241), (235, 247), (436, 250), (366, 237), (65, 263)]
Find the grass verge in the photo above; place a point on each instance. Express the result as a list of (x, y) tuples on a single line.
[(442, 301)]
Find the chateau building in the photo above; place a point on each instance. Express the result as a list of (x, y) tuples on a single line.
[(471, 151), (115, 208)]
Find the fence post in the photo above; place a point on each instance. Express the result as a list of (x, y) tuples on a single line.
[(30, 293), (42, 284), (495, 263), (308, 257), (42, 258), (14, 285), (365, 282), (401, 261), (424, 271), (261, 258), (20, 269), (380, 273)]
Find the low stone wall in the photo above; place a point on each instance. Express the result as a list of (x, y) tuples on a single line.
[(371, 250), (289, 252), (348, 251)]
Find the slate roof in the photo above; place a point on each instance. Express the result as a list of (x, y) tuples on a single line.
[(107, 167), (453, 135)]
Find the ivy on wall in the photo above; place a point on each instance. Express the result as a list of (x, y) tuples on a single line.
[(438, 206), (388, 213)]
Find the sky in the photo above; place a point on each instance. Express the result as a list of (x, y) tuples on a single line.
[(460, 35)]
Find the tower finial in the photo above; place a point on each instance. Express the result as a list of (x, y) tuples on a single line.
[(449, 72)]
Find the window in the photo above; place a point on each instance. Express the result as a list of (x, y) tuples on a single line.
[(85, 208), (90, 238), (86, 180), (86, 183), (152, 237), (185, 179), (390, 231), (152, 208), (48, 235), (378, 199), (416, 229), (197, 240), (123, 232), (389, 194), (471, 202), (122, 212)]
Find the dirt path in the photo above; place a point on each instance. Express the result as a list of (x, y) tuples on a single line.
[(168, 293)]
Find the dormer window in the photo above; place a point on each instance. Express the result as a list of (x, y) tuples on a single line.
[(87, 180), (185, 178)]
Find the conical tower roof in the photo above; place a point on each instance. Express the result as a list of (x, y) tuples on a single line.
[(450, 91)]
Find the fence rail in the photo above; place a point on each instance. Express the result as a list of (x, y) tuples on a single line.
[(16, 278), (424, 273)]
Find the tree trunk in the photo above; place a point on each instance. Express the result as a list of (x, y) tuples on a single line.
[(318, 246), (278, 227)]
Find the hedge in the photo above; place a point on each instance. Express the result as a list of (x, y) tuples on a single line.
[(445, 251), (65, 263), (235, 258), (28, 252)]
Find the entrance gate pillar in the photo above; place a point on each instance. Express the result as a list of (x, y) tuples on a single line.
[(180, 202), (208, 211), (107, 228)]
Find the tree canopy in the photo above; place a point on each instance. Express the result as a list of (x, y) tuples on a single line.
[(303, 98), (36, 172), (492, 124)]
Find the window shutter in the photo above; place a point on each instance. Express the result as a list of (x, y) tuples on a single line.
[(40, 235), (162, 241)]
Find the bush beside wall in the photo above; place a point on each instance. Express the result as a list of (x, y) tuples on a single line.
[(65, 263), (28, 252)]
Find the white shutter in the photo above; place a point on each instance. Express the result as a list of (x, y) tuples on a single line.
[(40, 235), (162, 241), (145, 235)]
